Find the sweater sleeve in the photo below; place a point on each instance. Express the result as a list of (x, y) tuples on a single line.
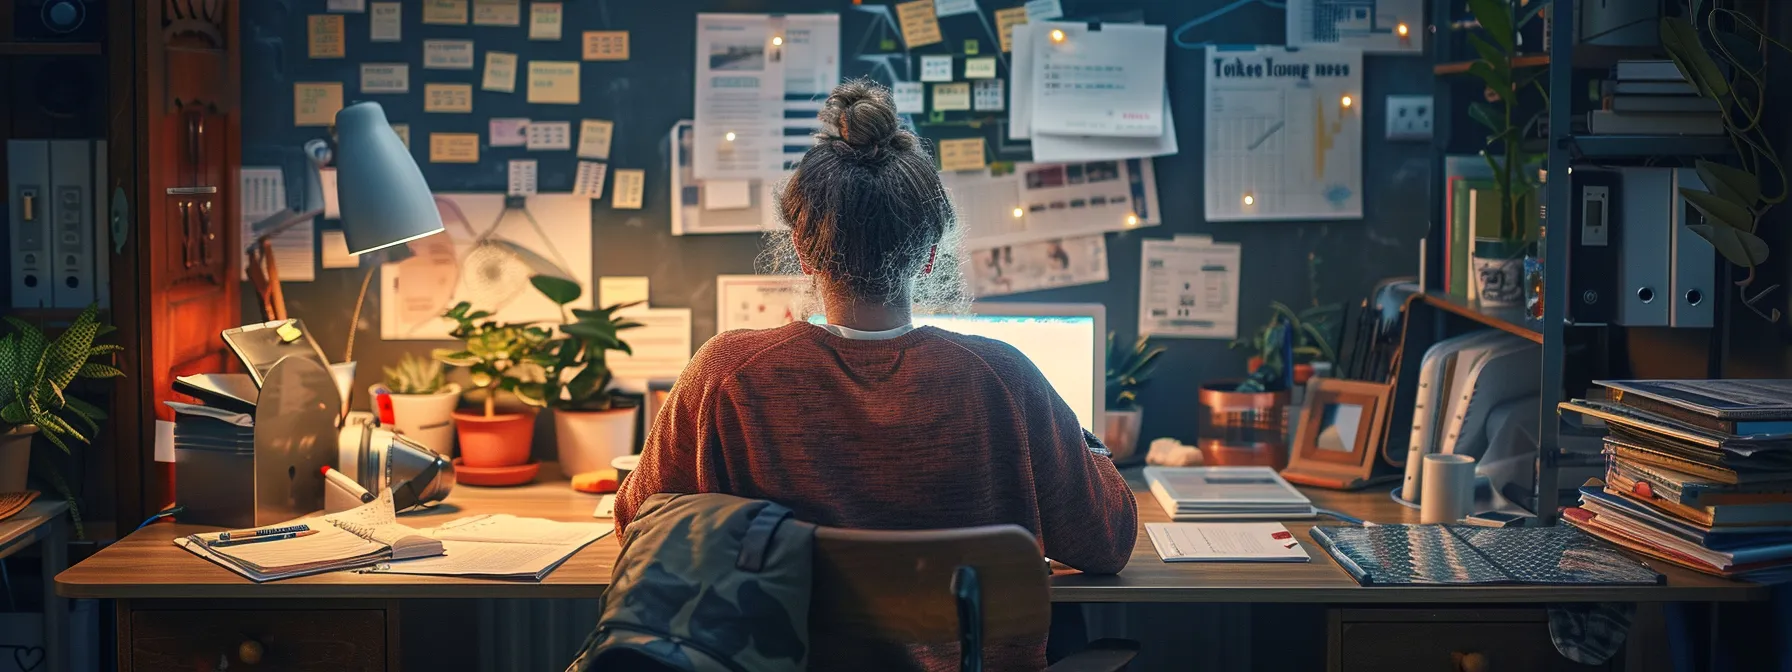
[(673, 457)]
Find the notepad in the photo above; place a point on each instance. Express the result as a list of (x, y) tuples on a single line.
[(1225, 542), (355, 538)]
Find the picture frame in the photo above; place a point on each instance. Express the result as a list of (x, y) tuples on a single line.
[(1342, 435)]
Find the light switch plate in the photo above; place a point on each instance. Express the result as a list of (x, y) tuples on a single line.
[(1409, 117)]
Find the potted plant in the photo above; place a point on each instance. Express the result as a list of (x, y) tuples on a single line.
[(1128, 370), (1498, 259), (35, 373), (592, 424), (422, 402), (1312, 341), (500, 358)]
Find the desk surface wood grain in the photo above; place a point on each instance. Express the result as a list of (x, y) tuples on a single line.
[(146, 564)]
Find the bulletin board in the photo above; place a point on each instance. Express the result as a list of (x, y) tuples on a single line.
[(650, 91)]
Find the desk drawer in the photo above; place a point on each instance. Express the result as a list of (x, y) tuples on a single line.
[(1432, 647), (184, 640)]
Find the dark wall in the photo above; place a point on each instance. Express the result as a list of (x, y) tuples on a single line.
[(646, 94)]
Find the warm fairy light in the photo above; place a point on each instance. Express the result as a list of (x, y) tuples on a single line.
[(1132, 219), (779, 41), (1019, 213), (1401, 30), (1346, 101), (729, 136), (1057, 35), (1250, 200)]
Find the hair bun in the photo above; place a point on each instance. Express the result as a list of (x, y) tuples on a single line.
[(861, 114)]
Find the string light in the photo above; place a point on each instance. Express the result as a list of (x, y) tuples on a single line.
[(779, 41), (1250, 200), (1346, 101), (1401, 30), (1132, 219), (729, 136), (1057, 35), (1018, 213)]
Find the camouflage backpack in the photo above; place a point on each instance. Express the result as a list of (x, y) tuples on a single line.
[(706, 582)]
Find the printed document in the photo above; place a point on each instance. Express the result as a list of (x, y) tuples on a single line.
[(1284, 134), (1189, 288), (1225, 542)]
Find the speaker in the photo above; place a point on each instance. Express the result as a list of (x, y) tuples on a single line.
[(59, 20)]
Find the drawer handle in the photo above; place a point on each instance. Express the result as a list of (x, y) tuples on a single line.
[(250, 652), (1471, 662)]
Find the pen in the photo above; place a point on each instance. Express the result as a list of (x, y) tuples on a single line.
[(261, 538), (239, 534)]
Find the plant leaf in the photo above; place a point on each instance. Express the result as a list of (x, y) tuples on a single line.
[(1485, 115), (1495, 16), (1720, 211), (1739, 247), (456, 357), (1488, 52), (98, 370), (1681, 40), (559, 290), (1735, 185), (1500, 84)]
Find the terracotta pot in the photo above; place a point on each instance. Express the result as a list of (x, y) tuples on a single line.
[(1302, 372), (589, 440), (427, 419), (498, 441), (15, 457), (1243, 428), (1122, 434)]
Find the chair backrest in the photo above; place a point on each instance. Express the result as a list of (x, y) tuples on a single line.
[(878, 590)]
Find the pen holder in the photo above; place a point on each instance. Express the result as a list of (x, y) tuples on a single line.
[(1449, 488)]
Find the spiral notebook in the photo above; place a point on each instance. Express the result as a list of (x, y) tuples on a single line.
[(1463, 555), (359, 537)]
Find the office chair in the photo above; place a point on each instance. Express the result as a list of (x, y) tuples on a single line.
[(875, 591)]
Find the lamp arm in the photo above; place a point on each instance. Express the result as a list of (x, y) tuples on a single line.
[(354, 320)]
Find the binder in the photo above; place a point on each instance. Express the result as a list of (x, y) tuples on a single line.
[(1693, 273), (71, 185), (1596, 233), (28, 188), (1645, 239)]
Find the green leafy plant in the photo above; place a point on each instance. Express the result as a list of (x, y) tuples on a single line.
[(1129, 370), (1311, 330), (35, 372), (589, 335), (1506, 82), (500, 357), (1722, 53), (415, 375)]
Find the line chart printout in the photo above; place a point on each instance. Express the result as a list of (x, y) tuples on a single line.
[(1284, 134)]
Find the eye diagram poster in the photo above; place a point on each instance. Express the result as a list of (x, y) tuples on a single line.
[(1284, 134)]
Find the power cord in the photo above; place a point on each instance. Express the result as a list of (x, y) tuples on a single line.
[(169, 512)]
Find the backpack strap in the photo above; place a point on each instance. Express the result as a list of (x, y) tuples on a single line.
[(757, 543)]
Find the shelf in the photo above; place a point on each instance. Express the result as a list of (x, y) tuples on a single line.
[(50, 48), (1586, 57), (1647, 146), (1461, 67), (1509, 320)]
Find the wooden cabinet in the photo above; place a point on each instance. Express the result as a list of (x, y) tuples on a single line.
[(296, 637), (1446, 640)]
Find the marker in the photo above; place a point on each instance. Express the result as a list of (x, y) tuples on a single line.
[(347, 484), (257, 539), (241, 534)]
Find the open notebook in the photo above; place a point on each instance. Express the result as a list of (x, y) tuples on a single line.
[(500, 547), (358, 537)]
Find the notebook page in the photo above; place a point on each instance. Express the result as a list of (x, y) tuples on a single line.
[(376, 520), (329, 545), (506, 528), (475, 558)]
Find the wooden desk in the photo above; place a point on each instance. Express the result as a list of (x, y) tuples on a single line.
[(43, 520)]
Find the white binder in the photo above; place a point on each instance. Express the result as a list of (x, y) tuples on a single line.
[(1506, 369), (1435, 377)]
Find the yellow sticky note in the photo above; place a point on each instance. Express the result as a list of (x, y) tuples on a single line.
[(554, 82), (545, 20), (497, 13), (980, 68), (1006, 20), (404, 134), (448, 98), (316, 103), (952, 97), (500, 72), (445, 12), (594, 139), (454, 148), (626, 189), (326, 36), (962, 154), (606, 45), (920, 25)]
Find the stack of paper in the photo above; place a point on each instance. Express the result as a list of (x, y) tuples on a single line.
[(1090, 92), (502, 547), (355, 538), (1220, 493)]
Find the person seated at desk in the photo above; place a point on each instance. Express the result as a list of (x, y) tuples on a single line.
[(870, 422)]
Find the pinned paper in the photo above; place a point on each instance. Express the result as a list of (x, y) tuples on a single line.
[(549, 135), (403, 131), (497, 13), (350, 6), (594, 139), (500, 72), (316, 103), (325, 35), (445, 12), (606, 45), (508, 132), (335, 251), (920, 25), (454, 148), (522, 177), (727, 194), (385, 78), (980, 68), (545, 20), (971, 47), (945, 8), (911, 97), (1006, 20), (554, 82), (590, 180), (986, 95), (326, 183), (626, 193), (448, 98), (952, 97), (936, 68), (661, 346), (962, 154), (164, 441), (1044, 10), (615, 290), (448, 54), (384, 24)]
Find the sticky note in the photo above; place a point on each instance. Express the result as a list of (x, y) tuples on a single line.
[(445, 12), (554, 82), (606, 45), (350, 6), (325, 36), (457, 98), (508, 132), (326, 183), (594, 139), (615, 290), (1006, 20), (962, 154), (936, 68), (920, 26), (971, 47), (986, 95), (911, 97), (500, 72), (316, 103), (335, 251), (952, 97), (944, 8), (497, 13), (522, 177), (384, 23), (403, 131), (545, 20), (589, 182), (1044, 10), (549, 135), (385, 78), (454, 148), (727, 194), (979, 68), (625, 194), (448, 54)]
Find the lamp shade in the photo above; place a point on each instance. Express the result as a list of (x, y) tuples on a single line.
[(381, 193)]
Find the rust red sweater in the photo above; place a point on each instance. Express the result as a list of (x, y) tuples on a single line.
[(931, 429)]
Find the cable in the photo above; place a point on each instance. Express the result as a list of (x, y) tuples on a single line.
[(1353, 520), (169, 512), (1228, 9)]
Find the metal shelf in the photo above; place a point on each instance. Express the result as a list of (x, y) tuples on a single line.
[(1647, 146)]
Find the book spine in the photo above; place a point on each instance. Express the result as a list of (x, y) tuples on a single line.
[(1672, 412)]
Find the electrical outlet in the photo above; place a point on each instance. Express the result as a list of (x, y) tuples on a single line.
[(1409, 117)]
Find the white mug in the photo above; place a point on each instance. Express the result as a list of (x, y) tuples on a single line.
[(1449, 488)]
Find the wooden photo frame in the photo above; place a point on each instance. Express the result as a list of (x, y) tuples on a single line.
[(1342, 431)]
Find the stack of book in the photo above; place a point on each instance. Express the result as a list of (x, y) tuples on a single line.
[(1699, 474), (1226, 493), (1652, 98)]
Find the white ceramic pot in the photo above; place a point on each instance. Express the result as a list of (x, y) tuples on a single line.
[(427, 418), (589, 440), (15, 458), (1499, 281), (1123, 434)]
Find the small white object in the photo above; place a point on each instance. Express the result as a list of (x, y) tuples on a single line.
[(936, 68), (727, 194), (335, 251), (590, 180), (326, 182), (385, 78), (986, 95), (549, 135), (625, 192), (1225, 542), (594, 139), (1044, 10), (522, 177), (945, 8), (347, 6), (448, 54), (606, 507), (164, 441), (1449, 492), (1168, 452), (911, 97), (508, 132), (385, 24), (1409, 118)]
